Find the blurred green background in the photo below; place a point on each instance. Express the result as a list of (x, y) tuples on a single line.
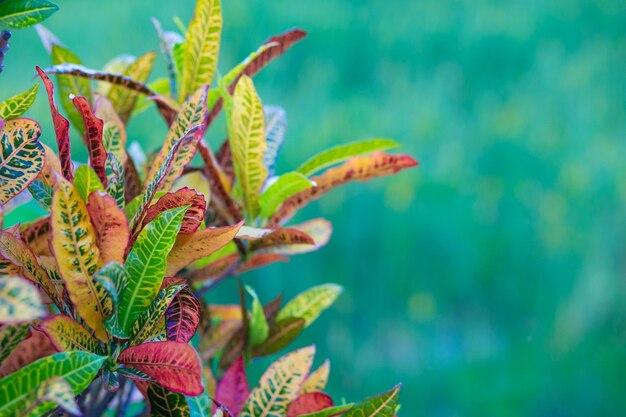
[(489, 280)]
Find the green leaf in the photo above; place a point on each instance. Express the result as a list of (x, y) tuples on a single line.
[(201, 47), (330, 412), (11, 336), (42, 193), (382, 405), (78, 369), (17, 105), (247, 143), (200, 406), (115, 179), (310, 304), (283, 332), (259, 329), (342, 153), (122, 98), (147, 324), (17, 14), (19, 301), (284, 187), (165, 403), (71, 85), (86, 181), (146, 264)]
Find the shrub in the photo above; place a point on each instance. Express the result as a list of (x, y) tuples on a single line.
[(103, 296)]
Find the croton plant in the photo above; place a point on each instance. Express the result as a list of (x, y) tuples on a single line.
[(105, 301)]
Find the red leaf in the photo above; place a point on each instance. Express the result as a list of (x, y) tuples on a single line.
[(110, 225), (259, 261), (309, 403), (93, 137), (232, 389), (61, 129), (182, 316), (358, 168), (173, 365), (184, 196), (37, 346)]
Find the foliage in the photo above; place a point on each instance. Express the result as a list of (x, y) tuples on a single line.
[(126, 252)]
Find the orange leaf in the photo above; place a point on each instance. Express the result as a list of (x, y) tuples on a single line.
[(110, 226)]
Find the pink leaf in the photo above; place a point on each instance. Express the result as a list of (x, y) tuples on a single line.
[(182, 316), (309, 403), (232, 389)]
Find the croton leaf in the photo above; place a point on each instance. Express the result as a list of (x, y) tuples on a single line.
[(259, 329), (17, 14), (146, 325), (259, 261), (198, 245), (192, 113), (146, 264), (22, 156), (93, 137), (318, 379), (282, 236), (35, 347), (122, 98), (66, 334), (19, 301), (201, 48), (358, 168), (284, 187), (232, 389), (110, 226), (248, 145), (56, 390), (14, 249), (116, 179), (11, 336), (70, 86), (78, 256), (309, 403), (382, 405), (42, 193), (320, 230), (310, 303), (282, 333), (165, 403), (78, 369), (275, 127), (341, 153), (114, 131), (183, 316), (200, 405), (86, 181), (61, 129), (173, 365), (182, 197), (279, 385), (212, 270), (17, 105), (330, 412), (166, 43)]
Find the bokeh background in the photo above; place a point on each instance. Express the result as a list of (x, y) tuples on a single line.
[(490, 280)]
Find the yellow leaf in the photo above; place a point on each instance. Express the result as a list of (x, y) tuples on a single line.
[(317, 380)]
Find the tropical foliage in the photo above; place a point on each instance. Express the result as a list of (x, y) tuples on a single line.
[(103, 297)]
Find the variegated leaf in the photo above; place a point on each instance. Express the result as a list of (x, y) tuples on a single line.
[(61, 129), (173, 365), (93, 137), (232, 389), (248, 145), (309, 304), (10, 336), (358, 168), (382, 405), (114, 131), (110, 227), (317, 380), (146, 264), (56, 390), (281, 236), (66, 334), (122, 98), (341, 153), (198, 245), (116, 179), (78, 369), (183, 316), (23, 14), (182, 197), (201, 48), (279, 385), (16, 106), (167, 40), (337, 411), (320, 230), (165, 403), (19, 301), (35, 347), (22, 156), (309, 403), (275, 127), (78, 256), (147, 324), (192, 113)]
